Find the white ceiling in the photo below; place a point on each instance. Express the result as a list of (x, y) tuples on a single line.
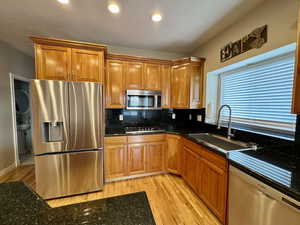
[(185, 25)]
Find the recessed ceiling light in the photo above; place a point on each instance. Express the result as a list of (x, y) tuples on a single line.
[(156, 17), (63, 1), (113, 8)]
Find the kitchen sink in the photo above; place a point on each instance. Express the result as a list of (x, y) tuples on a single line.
[(222, 143)]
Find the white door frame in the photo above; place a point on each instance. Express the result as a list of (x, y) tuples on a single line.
[(12, 78)]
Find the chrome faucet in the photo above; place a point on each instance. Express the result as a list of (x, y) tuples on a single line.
[(229, 134)]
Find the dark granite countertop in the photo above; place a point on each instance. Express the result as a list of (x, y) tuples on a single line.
[(121, 131), (278, 167), (19, 205), (184, 132)]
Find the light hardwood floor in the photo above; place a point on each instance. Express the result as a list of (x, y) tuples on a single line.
[(171, 200)]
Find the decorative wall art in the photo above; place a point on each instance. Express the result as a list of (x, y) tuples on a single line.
[(256, 39)]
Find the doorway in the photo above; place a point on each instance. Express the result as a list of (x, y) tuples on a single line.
[(22, 120)]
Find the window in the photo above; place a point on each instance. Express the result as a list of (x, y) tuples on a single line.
[(260, 95)]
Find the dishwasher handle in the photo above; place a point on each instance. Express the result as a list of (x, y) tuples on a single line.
[(290, 203), (281, 198)]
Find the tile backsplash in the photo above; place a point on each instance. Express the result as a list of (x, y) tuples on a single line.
[(186, 119), (163, 118)]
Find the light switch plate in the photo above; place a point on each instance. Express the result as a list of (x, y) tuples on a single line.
[(199, 118), (121, 118), (173, 116)]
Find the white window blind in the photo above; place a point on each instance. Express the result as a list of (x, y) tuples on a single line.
[(260, 95)]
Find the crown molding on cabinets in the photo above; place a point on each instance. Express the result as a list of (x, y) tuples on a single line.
[(139, 59), (68, 43)]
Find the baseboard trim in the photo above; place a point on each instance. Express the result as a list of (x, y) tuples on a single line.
[(7, 169), (134, 176)]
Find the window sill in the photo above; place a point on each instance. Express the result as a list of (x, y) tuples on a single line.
[(261, 131)]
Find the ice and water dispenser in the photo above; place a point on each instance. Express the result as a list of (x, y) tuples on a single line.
[(53, 131)]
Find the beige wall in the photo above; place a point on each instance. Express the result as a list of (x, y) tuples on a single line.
[(280, 16), (11, 60)]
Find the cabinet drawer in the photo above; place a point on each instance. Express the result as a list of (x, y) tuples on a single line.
[(146, 138), (115, 140), (207, 154)]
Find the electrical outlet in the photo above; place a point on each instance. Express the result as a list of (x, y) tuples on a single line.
[(199, 118), (121, 118), (173, 116), (190, 117)]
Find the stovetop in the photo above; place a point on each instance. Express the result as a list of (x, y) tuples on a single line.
[(138, 130)]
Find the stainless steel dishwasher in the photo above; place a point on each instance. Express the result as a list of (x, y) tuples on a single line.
[(252, 202)]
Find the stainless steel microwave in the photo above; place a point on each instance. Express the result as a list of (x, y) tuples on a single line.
[(143, 99)]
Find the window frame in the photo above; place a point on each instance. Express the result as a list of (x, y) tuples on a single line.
[(271, 130)]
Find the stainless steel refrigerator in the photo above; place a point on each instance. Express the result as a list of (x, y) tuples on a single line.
[(68, 131)]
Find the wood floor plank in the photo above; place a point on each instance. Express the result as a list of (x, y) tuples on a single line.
[(171, 200)]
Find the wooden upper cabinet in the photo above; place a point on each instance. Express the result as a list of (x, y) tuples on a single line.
[(52, 62), (152, 77), (296, 89), (134, 75), (166, 86), (180, 86), (196, 86), (87, 65), (68, 60), (173, 154), (187, 84), (115, 75)]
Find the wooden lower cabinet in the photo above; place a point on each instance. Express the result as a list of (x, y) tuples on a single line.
[(213, 188), (136, 159), (173, 151), (191, 168), (207, 174), (133, 155), (115, 161), (155, 157), (115, 157)]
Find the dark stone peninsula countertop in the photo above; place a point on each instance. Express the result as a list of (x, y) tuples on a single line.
[(274, 163), (276, 166), (19, 205)]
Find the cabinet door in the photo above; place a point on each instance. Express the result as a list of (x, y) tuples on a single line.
[(196, 87), (191, 168), (296, 89), (87, 65), (155, 156), (134, 75), (53, 62), (115, 160), (180, 88), (115, 84), (152, 79), (214, 188), (136, 159), (166, 86), (173, 154)]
